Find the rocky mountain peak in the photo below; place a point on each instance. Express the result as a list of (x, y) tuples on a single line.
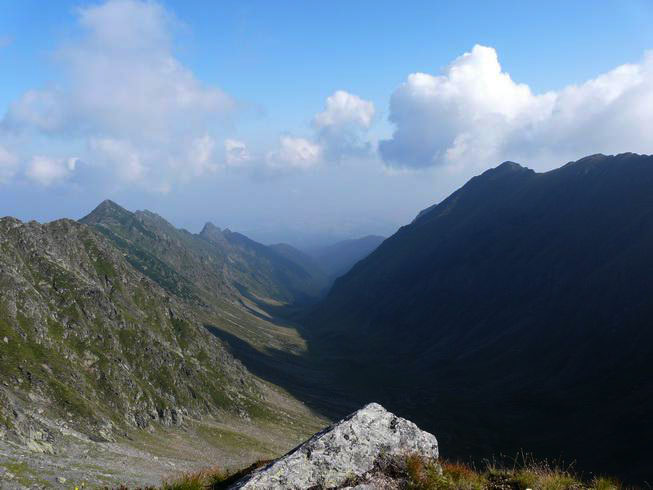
[(109, 205), (210, 228), (508, 168), (509, 165), (210, 231), (350, 450), (107, 209)]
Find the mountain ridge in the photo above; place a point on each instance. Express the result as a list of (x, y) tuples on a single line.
[(108, 333), (97, 307), (235, 260), (501, 314), (513, 263)]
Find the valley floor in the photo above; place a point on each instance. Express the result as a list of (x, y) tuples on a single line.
[(148, 458)]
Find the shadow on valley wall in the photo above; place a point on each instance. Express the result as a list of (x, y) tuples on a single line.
[(304, 377)]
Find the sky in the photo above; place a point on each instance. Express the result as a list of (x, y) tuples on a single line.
[(307, 122)]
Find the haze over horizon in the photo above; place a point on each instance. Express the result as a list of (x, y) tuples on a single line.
[(277, 123)]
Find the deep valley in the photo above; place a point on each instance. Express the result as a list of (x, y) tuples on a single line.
[(131, 349)]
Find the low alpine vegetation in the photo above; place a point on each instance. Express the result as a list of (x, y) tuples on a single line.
[(417, 473), (198, 480), (214, 478), (524, 474)]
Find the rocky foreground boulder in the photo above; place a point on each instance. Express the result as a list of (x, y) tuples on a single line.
[(348, 454)]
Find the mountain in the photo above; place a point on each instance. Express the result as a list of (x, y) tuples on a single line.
[(305, 261), (285, 266), (110, 331), (88, 338), (211, 264), (338, 258), (514, 314)]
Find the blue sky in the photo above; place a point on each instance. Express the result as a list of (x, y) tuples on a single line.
[(302, 121)]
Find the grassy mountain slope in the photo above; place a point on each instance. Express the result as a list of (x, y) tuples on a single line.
[(284, 265), (232, 280), (513, 314), (107, 329), (86, 336)]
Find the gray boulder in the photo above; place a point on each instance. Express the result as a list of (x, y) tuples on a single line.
[(346, 454)]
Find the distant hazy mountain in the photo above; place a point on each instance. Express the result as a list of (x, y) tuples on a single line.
[(338, 258), (305, 261), (514, 314)]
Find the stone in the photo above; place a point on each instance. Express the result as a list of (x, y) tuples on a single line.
[(61, 479), (345, 452)]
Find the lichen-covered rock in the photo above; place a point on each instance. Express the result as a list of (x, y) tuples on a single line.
[(346, 454)]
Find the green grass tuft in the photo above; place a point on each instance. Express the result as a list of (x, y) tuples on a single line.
[(198, 480)]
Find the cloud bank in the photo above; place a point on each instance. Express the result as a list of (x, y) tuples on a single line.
[(475, 114), (137, 117), (295, 154), (145, 120), (124, 94), (339, 133), (341, 126), (8, 164), (46, 171)]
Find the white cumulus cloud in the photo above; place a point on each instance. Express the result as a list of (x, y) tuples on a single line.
[(340, 128), (342, 109), (124, 93), (476, 114), (236, 153), (295, 153), (8, 164), (43, 110), (122, 155), (338, 133), (47, 171), (201, 159)]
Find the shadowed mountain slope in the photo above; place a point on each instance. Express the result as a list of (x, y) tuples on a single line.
[(514, 314)]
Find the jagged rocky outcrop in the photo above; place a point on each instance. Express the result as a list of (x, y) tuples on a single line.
[(348, 454)]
